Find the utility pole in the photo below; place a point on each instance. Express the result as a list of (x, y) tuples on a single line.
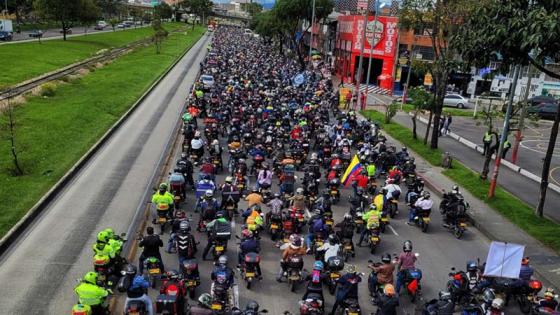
[(360, 63), (410, 56), (311, 31), (371, 52), (519, 133), (503, 138)]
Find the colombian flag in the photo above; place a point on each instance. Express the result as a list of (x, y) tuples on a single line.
[(353, 169)]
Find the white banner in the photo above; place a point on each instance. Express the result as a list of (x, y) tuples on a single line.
[(504, 260)]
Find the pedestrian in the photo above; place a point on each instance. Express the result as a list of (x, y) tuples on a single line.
[(507, 146), (446, 124), (348, 100), (363, 101), (486, 141)]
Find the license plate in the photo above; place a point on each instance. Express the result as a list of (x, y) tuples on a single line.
[(249, 274), (300, 219), (359, 221), (334, 276), (426, 219), (348, 247), (274, 226), (374, 238), (133, 313), (394, 201), (191, 283), (162, 220), (384, 220), (352, 313), (219, 248), (296, 277), (329, 222), (154, 271), (216, 307), (240, 187), (101, 277), (462, 224), (333, 192), (319, 244)]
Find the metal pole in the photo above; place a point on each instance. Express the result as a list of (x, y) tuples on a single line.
[(311, 31), (503, 138), (405, 91), (360, 63), (371, 53), (519, 134)]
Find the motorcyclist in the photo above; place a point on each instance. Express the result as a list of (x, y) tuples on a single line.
[(324, 202), (230, 193), (347, 286), (402, 155), (177, 179), (137, 291), (212, 228), (393, 190), (186, 168), (248, 245), (207, 170), (197, 145), (203, 307), (89, 293), (395, 175), (382, 274), (203, 186), (180, 217), (298, 200), (163, 197), (549, 302), (423, 203), (346, 230), (275, 205), (380, 199), (254, 220), (387, 303), (207, 206), (172, 284), (295, 248), (406, 261), (359, 200), (315, 281), (151, 244), (371, 217), (316, 226), (254, 198), (264, 177), (185, 242), (221, 267), (330, 248), (360, 181)]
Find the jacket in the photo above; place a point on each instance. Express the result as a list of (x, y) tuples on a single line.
[(151, 245), (385, 273), (90, 294), (290, 251)]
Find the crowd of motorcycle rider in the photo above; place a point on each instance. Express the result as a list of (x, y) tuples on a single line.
[(274, 128)]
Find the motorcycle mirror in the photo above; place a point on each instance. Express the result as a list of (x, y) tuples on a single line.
[(237, 237), (370, 261), (123, 234), (452, 268), (264, 311), (417, 255), (123, 272)]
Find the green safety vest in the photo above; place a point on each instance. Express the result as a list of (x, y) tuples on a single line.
[(370, 169), (507, 144), (199, 94), (487, 137), (89, 294)]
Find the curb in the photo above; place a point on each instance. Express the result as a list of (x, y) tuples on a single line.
[(504, 162), (19, 228)]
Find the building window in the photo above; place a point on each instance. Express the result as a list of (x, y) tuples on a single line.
[(423, 53)]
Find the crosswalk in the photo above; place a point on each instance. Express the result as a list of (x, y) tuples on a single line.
[(373, 89)]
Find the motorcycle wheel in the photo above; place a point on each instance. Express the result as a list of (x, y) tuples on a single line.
[(372, 249), (192, 293), (332, 288), (249, 282), (162, 228), (346, 256), (292, 286), (524, 304), (424, 227), (383, 228), (392, 210), (458, 233)]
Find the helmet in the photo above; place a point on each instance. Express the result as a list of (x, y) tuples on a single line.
[(110, 232), (389, 290), (488, 295), (215, 142), (347, 216), (219, 214), (549, 294), (255, 189), (102, 236), (229, 179), (407, 246), (183, 155), (426, 194), (299, 191), (296, 243), (472, 265), (404, 148), (372, 207), (246, 233), (205, 299), (163, 186), (209, 193), (184, 226), (525, 261), (444, 295), (130, 269), (350, 269), (252, 306), (318, 265), (222, 260), (497, 303), (277, 195), (91, 277), (172, 274), (386, 258), (332, 239)]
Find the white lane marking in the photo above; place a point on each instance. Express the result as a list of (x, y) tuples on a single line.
[(393, 230)]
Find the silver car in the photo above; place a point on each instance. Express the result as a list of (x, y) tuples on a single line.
[(455, 100), (207, 81)]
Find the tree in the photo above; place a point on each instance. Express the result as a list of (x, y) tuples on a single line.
[(440, 19), (421, 101), (201, 8), (290, 14), (114, 22), (159, 33), (11, 125), (267, 25), (515, 32), (110, 8), (163, 10), (65, 12), (252, 8), (90, 13), (20, 8)]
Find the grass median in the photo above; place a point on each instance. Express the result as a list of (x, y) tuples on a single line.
[(53, 133), (23, 61), (509, 206), (453, 111)]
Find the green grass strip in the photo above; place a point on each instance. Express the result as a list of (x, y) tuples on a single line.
[(509, 206), (24, 61), (53, 133), (453, 111)]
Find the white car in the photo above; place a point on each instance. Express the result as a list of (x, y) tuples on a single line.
[(207, 80), (455, 100)]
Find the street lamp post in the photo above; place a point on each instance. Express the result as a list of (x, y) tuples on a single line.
[(311, 31), (370, 53), (360, 63)]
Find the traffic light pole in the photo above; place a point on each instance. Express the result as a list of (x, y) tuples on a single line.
[(524, 105)]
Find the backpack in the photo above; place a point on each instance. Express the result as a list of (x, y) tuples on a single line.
[(185, 245), (222, 230), (317, 225)]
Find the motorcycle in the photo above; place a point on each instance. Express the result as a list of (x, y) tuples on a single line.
[(393, 207), (373, 239), (219, 248), (162, 210), (334, 267), (351, 306), (294, 267), (422, 219), (191, 279), (383, 222), (152, 266), (347, 249), (102, 265), (318, 241), (333, 190), (313, 305), (411, 281), (275, 227), (442, 306), (458, 227), (358, 220), (249, 268)]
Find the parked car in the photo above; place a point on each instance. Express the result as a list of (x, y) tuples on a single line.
[(128, 23), (207, 81), (121, 25), (68, 31), (99, 27), (6, 36), (533, 101), (455, 100), (36, 33), (544, 110)]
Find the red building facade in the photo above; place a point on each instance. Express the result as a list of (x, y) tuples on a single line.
[(380, 44)]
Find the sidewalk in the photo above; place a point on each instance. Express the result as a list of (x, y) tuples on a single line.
[(545, 261)]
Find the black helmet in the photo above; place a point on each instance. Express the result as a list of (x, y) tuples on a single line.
[(360, 191), (130, 269), (472, 265), (407, 246), (386, 258), (184, 226), (172, 274), (252, 306), (332, 239)]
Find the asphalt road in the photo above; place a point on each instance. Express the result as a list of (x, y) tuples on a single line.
[(41, 267), (520, 186)]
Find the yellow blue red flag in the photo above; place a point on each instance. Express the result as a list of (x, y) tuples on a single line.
[(352, 171)]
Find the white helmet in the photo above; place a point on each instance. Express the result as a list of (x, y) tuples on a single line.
[(209, 193)]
